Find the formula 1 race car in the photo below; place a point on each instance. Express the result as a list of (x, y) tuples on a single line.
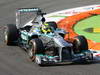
[(43, 41)]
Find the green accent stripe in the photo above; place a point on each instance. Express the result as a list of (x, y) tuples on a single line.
[(91, 22)]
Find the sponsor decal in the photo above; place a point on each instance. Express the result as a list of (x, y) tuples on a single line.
[(72, 12), (88, 8), (28, 9)]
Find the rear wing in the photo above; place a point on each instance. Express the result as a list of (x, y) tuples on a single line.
[(25, 10), (20, 11)]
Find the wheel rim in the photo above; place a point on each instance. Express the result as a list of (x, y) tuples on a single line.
[(31, 51), (6, 36), (76, 46)]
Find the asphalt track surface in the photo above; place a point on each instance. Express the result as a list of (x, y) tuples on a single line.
[(14, 61)]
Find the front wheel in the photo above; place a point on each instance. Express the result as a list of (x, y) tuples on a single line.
[(80, 43), (35, 47)]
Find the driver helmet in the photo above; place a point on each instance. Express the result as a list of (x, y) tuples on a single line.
[(46, 28)]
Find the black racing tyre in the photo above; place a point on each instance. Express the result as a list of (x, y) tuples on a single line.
[(11, 34), (80, 43), (35, 47), (53, 24)]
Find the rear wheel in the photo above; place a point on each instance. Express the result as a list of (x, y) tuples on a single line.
[(35, 47), (80, 43), (11, 34)]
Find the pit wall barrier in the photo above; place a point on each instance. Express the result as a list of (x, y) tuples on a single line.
[(69, 22)]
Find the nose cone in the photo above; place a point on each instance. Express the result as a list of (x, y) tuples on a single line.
[(61, 42)]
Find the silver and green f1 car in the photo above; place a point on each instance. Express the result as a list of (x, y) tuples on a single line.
[(45, 48)]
